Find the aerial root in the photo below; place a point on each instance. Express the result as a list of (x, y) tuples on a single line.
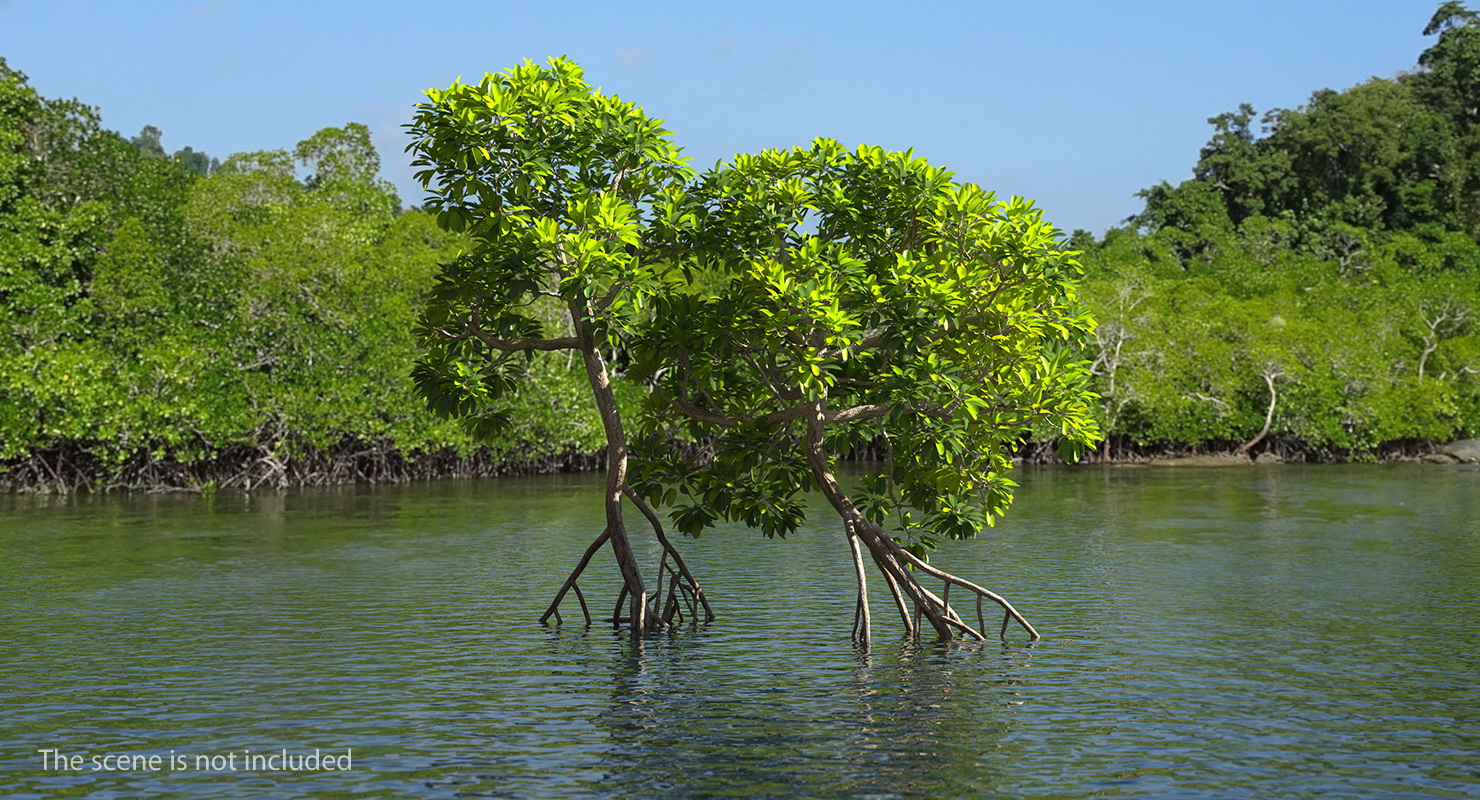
[(917, 604), (680, 595), (862, 629), (570, 583), (676, 597), (685, 579)]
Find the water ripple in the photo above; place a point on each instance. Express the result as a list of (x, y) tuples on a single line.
[(1285, 633)]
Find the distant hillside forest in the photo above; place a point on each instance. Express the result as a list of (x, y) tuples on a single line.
[(1318, 278), (168, 321)]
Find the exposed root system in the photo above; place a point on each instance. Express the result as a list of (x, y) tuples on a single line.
[(676, 595), (901, 569)]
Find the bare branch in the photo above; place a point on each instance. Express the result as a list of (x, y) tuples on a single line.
[(711, 417)]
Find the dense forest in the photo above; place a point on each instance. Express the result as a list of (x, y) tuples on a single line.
[(171, 321), (168, 321), (1314, 290)]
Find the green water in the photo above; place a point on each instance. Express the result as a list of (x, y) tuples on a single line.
[(1281, 633)]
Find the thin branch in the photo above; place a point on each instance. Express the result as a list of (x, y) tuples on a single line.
[(711, 417), (528, 343), (606, 300), (799, 411)]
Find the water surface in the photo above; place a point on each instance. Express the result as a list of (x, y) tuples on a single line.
[(1284, 632)]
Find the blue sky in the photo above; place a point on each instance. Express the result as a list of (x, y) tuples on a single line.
[(1078, 105)]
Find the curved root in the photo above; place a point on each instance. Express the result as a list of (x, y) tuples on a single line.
[(902, 571)]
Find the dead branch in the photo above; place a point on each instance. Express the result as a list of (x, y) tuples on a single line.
[(1269, 375)]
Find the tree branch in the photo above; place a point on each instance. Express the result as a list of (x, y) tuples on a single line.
[(528, 343), (711, 417), (856, 413)]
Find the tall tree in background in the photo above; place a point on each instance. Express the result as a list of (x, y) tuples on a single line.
[(1451, 77), (1312, 288), (148, 140), (1450, 83)]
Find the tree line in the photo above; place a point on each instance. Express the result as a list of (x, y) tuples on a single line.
[(1313, 291), (178, 322)]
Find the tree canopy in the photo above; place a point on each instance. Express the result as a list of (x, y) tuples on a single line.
[(867, 297), (558, 187), (862, 290)]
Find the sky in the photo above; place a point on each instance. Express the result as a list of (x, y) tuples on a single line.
[(1076, 104)]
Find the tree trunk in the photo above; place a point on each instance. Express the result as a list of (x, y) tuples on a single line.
[(642, 616), (616, 479)]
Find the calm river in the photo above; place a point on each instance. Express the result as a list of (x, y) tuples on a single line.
[(1223, 633)]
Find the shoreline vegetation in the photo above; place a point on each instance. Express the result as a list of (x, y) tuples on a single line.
[(247, 470), (171, 322), (244, 469)]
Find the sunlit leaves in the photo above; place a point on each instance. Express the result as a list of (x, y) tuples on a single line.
[(867, 279), (569, 197), (1329, 253)]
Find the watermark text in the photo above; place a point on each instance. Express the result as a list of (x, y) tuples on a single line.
[(244, 760)]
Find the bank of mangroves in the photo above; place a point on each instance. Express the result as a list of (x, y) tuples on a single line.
[(1312, 292)]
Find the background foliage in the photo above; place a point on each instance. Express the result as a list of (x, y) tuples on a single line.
[(1333, 254), (253, 315), (173, 320)]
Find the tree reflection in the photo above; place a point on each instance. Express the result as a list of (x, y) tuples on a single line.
[(705, 715)]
